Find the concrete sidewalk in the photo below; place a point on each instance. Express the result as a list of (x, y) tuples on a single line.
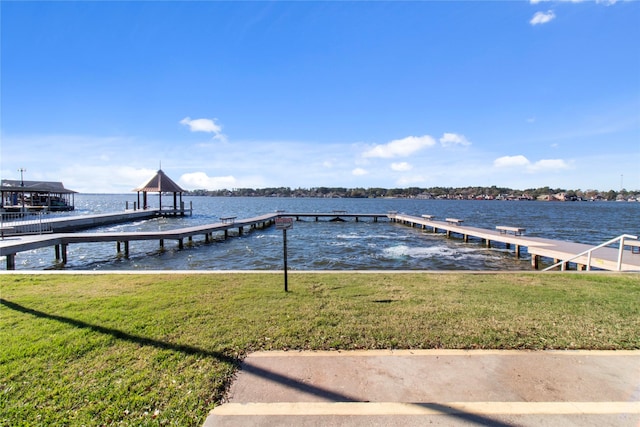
[(438, 387)]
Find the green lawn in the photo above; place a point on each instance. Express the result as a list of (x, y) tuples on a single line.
[(161, 349)]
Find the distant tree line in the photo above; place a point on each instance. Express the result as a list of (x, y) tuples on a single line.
[(464, 193)]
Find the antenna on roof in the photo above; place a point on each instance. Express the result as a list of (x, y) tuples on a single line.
[(160, 165)]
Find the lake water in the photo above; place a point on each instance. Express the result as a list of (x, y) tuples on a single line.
[(349, 245)]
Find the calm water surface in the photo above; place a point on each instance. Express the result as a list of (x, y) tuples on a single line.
[(345, 245)]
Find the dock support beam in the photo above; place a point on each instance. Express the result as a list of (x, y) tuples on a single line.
[(63, 248), (535, 261), (126, 248), (11, 261)]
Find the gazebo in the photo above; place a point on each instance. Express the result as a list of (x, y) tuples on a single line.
[(161, 183)]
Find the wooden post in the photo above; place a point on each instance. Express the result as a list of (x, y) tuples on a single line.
[(56, 248), (517, 251), (535, 261), (466, 238), (11, 261), (64, 252), (126, 249), (180, 244), (161, 244)]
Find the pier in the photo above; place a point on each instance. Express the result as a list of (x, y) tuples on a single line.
[(561, 252), (9, 247), (60, 235)]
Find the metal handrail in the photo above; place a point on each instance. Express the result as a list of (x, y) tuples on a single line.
[(590, 251)]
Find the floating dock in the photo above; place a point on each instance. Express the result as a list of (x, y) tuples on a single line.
[(625, 258)]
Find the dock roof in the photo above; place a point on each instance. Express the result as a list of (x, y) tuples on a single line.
[(160, 182), (34, 186)]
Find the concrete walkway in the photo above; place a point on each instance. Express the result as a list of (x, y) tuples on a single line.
[(434, 387)]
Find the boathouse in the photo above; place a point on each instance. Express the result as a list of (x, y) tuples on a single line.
[(19, 195), (161, 183)]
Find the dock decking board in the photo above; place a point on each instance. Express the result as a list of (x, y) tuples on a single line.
[(604, 258)]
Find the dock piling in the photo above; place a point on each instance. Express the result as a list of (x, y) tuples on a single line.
[(11, 261)]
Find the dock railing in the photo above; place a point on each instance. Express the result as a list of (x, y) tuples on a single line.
[(15, 223), (589, 252)]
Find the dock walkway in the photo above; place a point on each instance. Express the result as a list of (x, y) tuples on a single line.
[(9, 247), (606, 258)]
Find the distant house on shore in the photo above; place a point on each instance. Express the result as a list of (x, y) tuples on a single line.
[(19, 195)]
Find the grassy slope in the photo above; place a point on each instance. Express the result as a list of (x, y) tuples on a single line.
[(161, 349)]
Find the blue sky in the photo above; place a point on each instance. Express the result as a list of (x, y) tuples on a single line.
[(306, 94)]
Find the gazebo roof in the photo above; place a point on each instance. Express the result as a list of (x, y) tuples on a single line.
[(160, 182), (34, 186)]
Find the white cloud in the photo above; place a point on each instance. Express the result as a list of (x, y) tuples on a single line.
[(520, 161), (401, 166), (400, 147), (542, 17), (548, 165), (450, 139), (200, 180), (511, 161), (204, 125), (359, 172), (103, 179)]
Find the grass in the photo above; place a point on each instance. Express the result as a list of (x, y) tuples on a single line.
[(162, 349)]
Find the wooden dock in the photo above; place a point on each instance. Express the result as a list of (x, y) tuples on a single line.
[(606, 258), (9, 247), (335, 215)]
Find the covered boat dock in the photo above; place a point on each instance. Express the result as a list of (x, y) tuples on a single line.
[(26, 196)]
